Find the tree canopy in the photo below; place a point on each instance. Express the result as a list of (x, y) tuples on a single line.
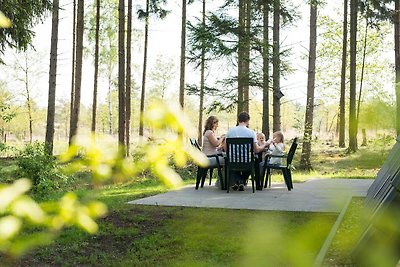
[(23, 18)]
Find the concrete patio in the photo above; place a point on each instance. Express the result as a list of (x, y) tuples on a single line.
[(316, 195)]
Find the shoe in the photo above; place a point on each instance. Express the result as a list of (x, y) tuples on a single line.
[(235, 187), (241, 187)]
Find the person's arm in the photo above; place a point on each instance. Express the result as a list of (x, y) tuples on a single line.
[(277, 149), (259, 148), (224, 141), (211, 137)]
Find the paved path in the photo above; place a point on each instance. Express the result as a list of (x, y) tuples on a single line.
[(316, 195)]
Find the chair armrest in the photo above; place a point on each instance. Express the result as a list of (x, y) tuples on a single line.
[(277, 156)]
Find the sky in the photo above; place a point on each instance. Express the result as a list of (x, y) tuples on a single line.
[(164, 38)]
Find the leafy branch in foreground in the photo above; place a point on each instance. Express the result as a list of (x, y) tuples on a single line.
[(102, 160), (4, 21)]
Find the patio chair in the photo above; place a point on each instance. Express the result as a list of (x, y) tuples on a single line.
[(239, 157), (285, 168), (202, 171)]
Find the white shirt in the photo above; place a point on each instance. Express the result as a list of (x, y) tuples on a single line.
[(241, 131), (276, 150)]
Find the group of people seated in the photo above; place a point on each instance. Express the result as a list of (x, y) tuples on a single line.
[(216, 146)]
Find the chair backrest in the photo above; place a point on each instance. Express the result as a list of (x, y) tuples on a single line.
[(194, 143), (291, 152), (240, 153)]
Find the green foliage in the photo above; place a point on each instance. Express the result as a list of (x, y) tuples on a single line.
[(378, 114), (104, 162), (18, 211), (4, 21), (3, 147), (40, 167), (377, 69), (155, 8), (23, 18), (160, 76), (176, 236), (6, 111)]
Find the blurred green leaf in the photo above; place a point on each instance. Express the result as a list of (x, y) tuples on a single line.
[(9, 193), (26, 207), (23, 244), (9, 227), (4, 21)]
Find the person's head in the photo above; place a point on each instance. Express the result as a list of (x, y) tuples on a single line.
[(261, 138), (211, 124), (244, 117), (278, 136)]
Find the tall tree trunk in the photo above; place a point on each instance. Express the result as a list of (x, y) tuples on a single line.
[(342, 104), (96, 66), (142, 97), (202, 80), (183, 55), (128, 78), (353, 57), (121, 74), (73, 64), (28, 97), (276, 68), (246, 54), (110, 111), (362, 74), (305, 161), (397, 61), (240, 55), (78, 71), (265, 116)]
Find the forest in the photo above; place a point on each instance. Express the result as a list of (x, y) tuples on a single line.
[(112, 90)]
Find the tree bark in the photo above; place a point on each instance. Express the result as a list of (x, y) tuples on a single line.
[(240, 55), (305, 161), (183, 55), (128, 78), (121, 74), (142, 97), (397, 62), (246, 54), (265, 116), (364, 137), (202, 79), (73, 64), (276, 68), (78, 71), (110, 111), (353, 57), (28, 95), (342, 104), (362, 74), (96, 66)]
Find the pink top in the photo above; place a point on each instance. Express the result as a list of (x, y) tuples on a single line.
[(208, 147)]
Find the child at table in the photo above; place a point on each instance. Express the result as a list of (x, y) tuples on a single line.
[(261, 142), (276, 148)]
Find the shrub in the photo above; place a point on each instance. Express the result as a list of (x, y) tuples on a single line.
[(40, 167)]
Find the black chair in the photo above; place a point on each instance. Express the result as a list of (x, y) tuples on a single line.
[(239, 157), (285, 168), (202, 171)]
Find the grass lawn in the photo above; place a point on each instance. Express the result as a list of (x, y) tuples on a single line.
[(339, 253), (334, 162), (133, 235)]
